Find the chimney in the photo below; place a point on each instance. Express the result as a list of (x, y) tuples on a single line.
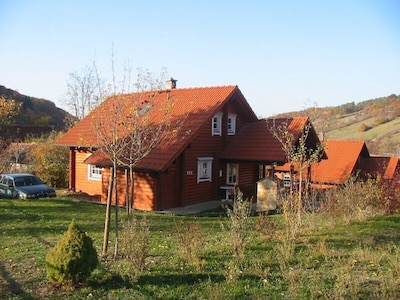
[(321, 136), (171, 83)]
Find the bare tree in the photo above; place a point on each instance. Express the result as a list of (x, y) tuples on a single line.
[(142, 133), (16, 157), (299, 153), (108, 127), (85, 90), (126, 134)]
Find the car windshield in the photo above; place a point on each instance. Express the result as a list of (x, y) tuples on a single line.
[(27, 180)]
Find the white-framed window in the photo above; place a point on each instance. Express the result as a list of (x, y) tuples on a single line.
[(204, 169), (231, 124), (216, 124), (286, 180), (232, 172), (94, 173)]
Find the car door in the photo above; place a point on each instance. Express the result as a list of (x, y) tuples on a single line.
[(6, 187), (3, 187)]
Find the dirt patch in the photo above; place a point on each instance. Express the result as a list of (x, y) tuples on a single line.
[(78, 196)]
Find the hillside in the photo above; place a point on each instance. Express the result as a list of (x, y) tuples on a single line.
[(375, 121), (37, 111)]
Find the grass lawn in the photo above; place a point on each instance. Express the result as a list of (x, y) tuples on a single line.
[(356, 261)]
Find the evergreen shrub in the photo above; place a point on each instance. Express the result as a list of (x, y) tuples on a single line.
[(73, 258)]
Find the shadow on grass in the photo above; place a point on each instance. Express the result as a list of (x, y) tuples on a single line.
[(148, 284), (12, 286), (111, 282), (178, 279), (376, 231)]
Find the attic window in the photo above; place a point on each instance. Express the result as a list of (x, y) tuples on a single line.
[(216, 124), (231, 124)]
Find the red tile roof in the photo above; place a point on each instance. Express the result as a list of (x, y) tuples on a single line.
[(256, 143), (343, 161), (191, 108)]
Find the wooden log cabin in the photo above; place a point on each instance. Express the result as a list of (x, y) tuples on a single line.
[(216, 142)]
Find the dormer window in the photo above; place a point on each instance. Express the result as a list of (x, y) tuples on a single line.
[(216, 124), (145, 109), (231, 124)]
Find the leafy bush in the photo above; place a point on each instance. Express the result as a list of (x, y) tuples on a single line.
[(380, 120), (363, 127), (73, 258), (50, 162)]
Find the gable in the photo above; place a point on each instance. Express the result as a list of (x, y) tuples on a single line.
[(383, 166), (393, 168), (257, 143)]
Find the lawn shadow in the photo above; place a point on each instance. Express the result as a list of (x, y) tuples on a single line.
[(147, 284), (111, 282), (178, 279), (12, 285)]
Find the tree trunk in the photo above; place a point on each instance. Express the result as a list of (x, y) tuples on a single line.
[(299, 200), (116, 210), (127, 202), (108, 215), (132, 189)]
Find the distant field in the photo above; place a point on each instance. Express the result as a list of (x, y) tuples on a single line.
[(390, 129), (343, 122)]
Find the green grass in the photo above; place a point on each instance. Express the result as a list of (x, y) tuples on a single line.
[(357, 261), (350, 130)]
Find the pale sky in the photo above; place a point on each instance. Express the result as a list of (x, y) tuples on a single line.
[(283, 55)]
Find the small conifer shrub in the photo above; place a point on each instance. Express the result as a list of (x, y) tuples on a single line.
[(72, 259)]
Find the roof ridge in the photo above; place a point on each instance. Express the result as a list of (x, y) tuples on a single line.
[(207, 87), (177, 89), (347, 141)]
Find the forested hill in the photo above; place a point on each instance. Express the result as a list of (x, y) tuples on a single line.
[(35, 111), (375, 121)]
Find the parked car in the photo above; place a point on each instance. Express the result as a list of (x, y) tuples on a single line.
[(24, 186)]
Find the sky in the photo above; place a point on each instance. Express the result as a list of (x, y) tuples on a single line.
[(283, 55)]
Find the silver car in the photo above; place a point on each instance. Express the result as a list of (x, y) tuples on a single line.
[(24, 186)]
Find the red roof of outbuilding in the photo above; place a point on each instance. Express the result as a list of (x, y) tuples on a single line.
[(343, 161)]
